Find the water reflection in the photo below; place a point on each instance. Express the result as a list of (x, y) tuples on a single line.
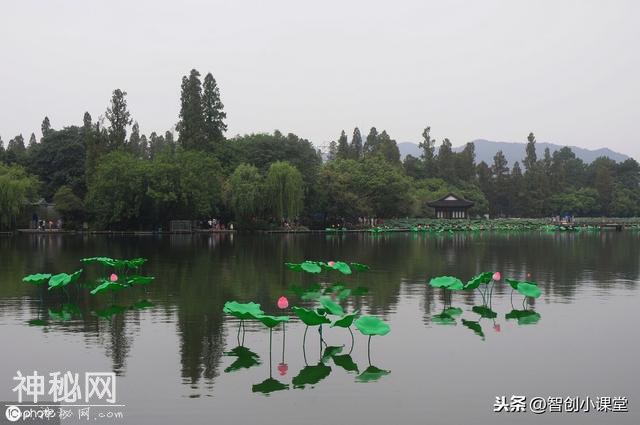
[(196, 274)]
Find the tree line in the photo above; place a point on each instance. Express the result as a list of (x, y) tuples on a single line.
[(105, 172)]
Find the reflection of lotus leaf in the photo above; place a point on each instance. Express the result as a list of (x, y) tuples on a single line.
[(345, 321), (344, 294), (37, 322), (311, 295), (453, 311), (360, 290), (142, 304), (37, 279), (311, 375), (474, 326), (245, 359), (268, 386), (66, 312), (331, 306), (346, 362), (331, 351), (443, 319), (484, 311), (243, 311), (335, 288), (371, 374), (107, 313), (448, 282), (528, 289), (271, 321), (359, 267), (524, 317), (309, 317), (294, 266), (482, 278), (371, 325)]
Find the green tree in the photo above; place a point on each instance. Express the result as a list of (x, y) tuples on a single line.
[(465, 163), (134, 141), (191, 123), (344, 151), (531, 159), (59, 160), (213, 110), (32, 141), (119, 119), (70, 207), (17, 188), (284, 189), (16, 151), (428, 146), (245, 187), (370, 143), (445, 162), (45, 127), (356, 144)]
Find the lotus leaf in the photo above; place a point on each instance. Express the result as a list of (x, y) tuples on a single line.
[(345, 321), (482, 278), (528, 290), (371, 374), (448, 282), (371, 325), (332, 307), (268, 386), (309, 317), (484, 311), (243, 311), (272, 321), (359, 267), (311, 375), (37, 279)]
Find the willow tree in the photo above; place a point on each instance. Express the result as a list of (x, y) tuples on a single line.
[(16, 189), (245, 187), (284, 190)]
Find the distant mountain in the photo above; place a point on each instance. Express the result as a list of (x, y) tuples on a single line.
[(486, 149)]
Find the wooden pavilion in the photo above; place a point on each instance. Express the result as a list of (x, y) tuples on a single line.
[(451, 206)]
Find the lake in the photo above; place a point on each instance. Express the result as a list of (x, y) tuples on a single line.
[(177, 359)]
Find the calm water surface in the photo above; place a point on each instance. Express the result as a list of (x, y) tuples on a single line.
[(171, 363)]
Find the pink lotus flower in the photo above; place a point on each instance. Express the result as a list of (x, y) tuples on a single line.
[(331, 263), (283, 302), (496, 276), (113, 277), (282, 369), (496, 327)]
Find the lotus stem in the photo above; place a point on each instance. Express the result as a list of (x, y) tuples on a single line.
[(369, 350), (352, 340), (304, 338)]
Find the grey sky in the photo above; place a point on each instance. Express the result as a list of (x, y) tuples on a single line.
[(567, 70)]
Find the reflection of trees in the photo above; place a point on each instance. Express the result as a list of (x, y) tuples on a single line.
[(196, 274)]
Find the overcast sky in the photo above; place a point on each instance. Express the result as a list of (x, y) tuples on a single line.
[(567, 70)]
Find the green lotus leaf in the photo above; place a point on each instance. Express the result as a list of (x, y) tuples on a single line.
[(135, 263), (331, 306), (528, 290), (75, 276), (142, 304), (359, 267), (371, 325), (105, 261), (309, 317), (371, 374), (107, 285), (346, 362), (482, 278), (243, 311), (245, 359), (342, 267), (60, 314), (514, 283), (112, 310), (311, 375), (139, 280), (59, 280), (345, 321), (272, 321), (443, 319), (311, 267), (268, 386), (296, 267), (474, 326), (453, 311), (448, 282), (37, 279), (484, 311)]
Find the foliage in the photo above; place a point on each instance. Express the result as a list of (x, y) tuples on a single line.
[(70, 206), (284, 190), (17, 188)]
